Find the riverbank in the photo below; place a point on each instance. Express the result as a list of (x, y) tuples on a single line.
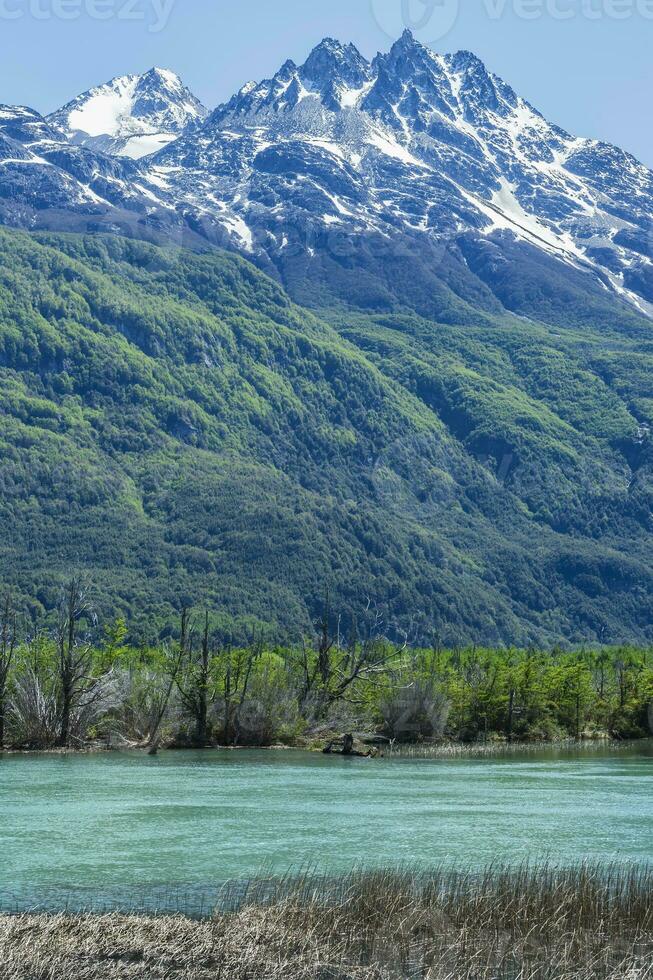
[(387, 749), (533, 923)]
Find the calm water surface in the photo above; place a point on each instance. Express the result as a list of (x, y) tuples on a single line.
[(83, 830)]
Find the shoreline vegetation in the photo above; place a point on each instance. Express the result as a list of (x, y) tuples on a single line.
[(73, 684), (442, 750), (532, 922)]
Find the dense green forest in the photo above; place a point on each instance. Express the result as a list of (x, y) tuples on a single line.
[(79, 682), (178, 431)]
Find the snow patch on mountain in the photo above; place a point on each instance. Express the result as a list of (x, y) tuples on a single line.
[(132, 115)]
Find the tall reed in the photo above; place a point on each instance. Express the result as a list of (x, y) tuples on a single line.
[(523, 923)]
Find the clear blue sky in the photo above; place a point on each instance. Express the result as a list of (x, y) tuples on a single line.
[(586, 64)]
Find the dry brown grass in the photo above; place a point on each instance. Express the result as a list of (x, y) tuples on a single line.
[(525, 924), (499, 750)]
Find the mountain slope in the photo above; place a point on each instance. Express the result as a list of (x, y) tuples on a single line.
[(178, 430), (131, 116), (46, 181)]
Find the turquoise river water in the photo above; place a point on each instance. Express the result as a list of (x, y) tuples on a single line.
[(123, 830)]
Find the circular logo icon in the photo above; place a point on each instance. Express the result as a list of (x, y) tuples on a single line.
[(428, 20), (413, 477)]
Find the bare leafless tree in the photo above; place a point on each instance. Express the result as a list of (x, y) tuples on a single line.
[(176, 657), (33, 713), (238, 666), (8, 641), (371, 656), (195, 686), (74, 658), (82, 696), (308, 666), (326, 643), (330, 671)]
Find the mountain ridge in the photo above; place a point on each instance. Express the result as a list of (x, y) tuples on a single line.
[(426, 149), (444, 125)]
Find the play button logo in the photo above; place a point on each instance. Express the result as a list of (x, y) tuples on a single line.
[(428, 20)]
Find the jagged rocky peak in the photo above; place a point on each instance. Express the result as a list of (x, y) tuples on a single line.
[(477, 88), (410, 79), (333, 61), (337, 73), (286, 73), (409, 60), (466, 62), (162, 91), (132, 115), (406, 49), (449, 84)]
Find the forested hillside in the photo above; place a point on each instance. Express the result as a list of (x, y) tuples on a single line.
[(176, 430)]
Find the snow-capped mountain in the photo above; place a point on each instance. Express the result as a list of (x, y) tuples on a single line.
[(415, 154), (416, 143), (133, 115)]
